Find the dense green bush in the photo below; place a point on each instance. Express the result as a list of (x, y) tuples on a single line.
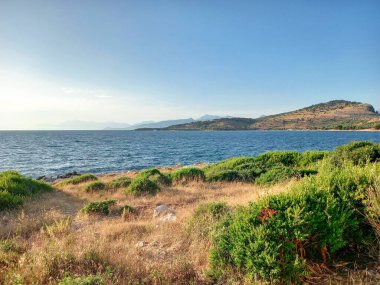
[(128, 209), (78, 179), (141, 186), (227, 175), (276, 174), (188, 174), (308, 158), (274, 237), (94, 186), (98, 207), (205, 217), (154, 175), (358, 152), (14, 186), (83, 280), (120, 182)]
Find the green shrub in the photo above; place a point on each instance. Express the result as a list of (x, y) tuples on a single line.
[(18, 185), (188, 174), (275, 175), (120, 182), (94, 186), (78, 179), (358, 152), (14, 186), (275, 237), (154, 175), (202, 222), (98, 207), (141, 186), (228, 175), (8, 201), (311, 157), (83, 280)]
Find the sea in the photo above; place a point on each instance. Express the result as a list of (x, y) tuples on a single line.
[(52, 153)]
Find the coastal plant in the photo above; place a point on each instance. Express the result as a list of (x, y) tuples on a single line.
[(273, 239), (358, 152), (120, 182), (141, 186), (154, 175), (78, 179), (275, 175), (205, 216), (309, 158), (14, 187), (98, 207), (82, 280), (188, 174), (94, 186)]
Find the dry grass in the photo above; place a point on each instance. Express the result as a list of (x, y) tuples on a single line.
[(51, 237)]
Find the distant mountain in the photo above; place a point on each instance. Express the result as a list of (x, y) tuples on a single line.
[(337, 114), (166, 123), (88, 125)]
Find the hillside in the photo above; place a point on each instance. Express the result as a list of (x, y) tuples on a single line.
[(337, 114)]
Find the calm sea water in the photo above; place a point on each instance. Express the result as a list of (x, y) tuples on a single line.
[(51, 153)]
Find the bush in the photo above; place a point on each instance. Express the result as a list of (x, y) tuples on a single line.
[(128, 209), (188, 174), (276, 174), (85, 280), (154, 175), (94, 186), (275, 237), (120, 182), (98, 207), (358, 152), (14, 186), (78, 179), (205, 217), (308, 158), (228, 175), (141, 186)]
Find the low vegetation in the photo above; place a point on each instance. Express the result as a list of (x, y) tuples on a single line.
[(94, 186), (286, 218), (78, 179), (188, 174), (121, 182), (98, 207), (14, 188)]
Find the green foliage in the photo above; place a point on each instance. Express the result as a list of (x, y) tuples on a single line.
[(202, 222), (84, 280), (78, 179), (141, 186), (94, 186), (9, 201), (274, 237), (308, 158), (250, 168), (14, 186), (154, 175), (188, 174), (358, 152), (276, 174), (98, 207), (120, 182)]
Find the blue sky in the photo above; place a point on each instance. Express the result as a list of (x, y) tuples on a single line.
[(130, 61)]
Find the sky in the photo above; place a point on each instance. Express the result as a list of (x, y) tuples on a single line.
[(132, 61)]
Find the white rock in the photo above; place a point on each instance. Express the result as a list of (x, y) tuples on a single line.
[(168, 217), (141, 243), (161, 210)]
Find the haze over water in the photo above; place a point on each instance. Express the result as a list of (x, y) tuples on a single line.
[(51, 153)]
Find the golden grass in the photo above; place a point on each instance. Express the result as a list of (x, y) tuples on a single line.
[(52, 237)]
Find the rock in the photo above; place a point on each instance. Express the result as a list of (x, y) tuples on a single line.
[(161, 211), (169, 217), (141, 243)]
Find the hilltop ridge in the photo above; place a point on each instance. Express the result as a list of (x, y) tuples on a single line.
[(336, 114)]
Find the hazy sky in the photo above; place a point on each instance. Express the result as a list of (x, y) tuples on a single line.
[(129, 61)]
